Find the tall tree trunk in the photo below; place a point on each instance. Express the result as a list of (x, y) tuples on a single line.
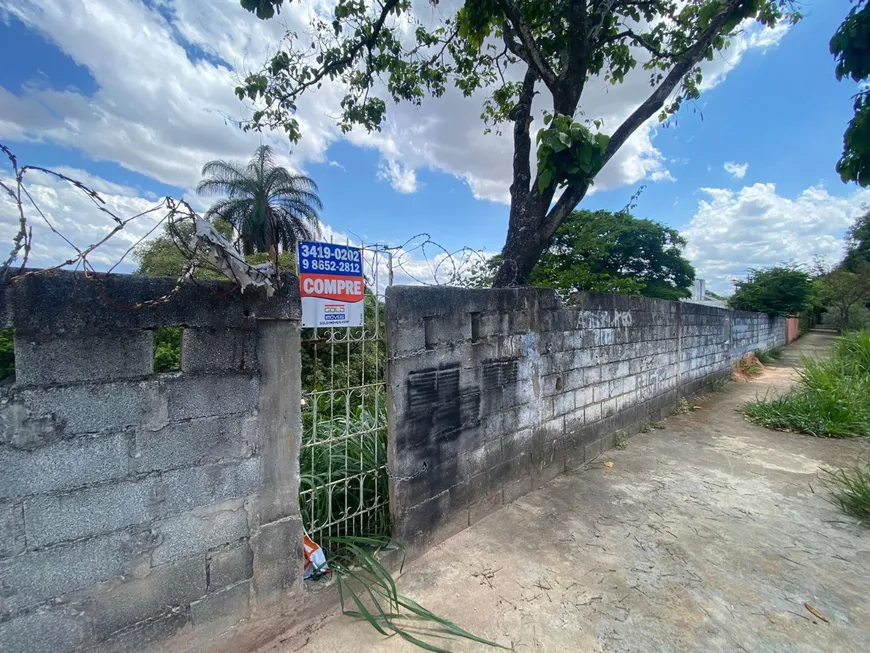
[(532, 220), (523, 245), (530, 228)]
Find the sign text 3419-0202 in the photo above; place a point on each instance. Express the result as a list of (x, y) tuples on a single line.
[(331, 284)]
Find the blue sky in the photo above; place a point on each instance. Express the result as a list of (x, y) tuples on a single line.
[(138, 95)]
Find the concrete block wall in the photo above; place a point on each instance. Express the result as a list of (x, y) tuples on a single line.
[(143, 511), (493, 392)]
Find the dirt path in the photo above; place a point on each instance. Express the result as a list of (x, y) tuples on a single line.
[(708, 535)]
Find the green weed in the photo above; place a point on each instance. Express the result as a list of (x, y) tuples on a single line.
[(851, 491), (684, 407), (853, 350), (831, 399), (368, 591), (749, 365), (620, 439), (343, 492), (718, 383), (768, 356), (352, 448)]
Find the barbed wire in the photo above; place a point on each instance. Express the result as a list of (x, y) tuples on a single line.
[(419, 259), (180, 221), (444, 267)]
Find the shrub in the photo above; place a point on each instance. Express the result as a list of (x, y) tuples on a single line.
[(851, 491), (781, 290), (832, 398), (167, 349)]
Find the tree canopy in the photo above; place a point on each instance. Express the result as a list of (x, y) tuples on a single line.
[(858, 243), (845, 292), (850, 46), (514, 49), (601, 251), (167, 256), (778, 290), (269, 206)]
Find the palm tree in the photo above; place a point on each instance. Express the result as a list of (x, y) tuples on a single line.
[(268, 205)]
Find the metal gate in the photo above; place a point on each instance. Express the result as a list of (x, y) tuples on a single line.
[(343, 462)]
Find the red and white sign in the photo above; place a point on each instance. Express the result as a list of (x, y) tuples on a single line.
[(331, 284)]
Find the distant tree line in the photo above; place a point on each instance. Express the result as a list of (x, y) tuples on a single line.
[(843, 290), (607, 252)]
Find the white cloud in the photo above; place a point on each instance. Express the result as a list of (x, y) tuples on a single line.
[(733, 231), (77, 218), (402, 179), (662, 175), (736, 170), (751, 36), (166, 71), (161, 107)]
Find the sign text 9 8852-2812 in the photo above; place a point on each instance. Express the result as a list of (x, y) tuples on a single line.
[(331, 285), (323, 257)]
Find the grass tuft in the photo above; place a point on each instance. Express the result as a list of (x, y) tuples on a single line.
[(832, 398), (851, 491), (684, 407), (768, 356), (749, 366), (718, 383), (352, 447), (367, 591)]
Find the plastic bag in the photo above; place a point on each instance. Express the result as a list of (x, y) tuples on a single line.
[(315, 559)]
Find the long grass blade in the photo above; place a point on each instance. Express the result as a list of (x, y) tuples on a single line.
[(448, 625), (426, 646), (362, 612)]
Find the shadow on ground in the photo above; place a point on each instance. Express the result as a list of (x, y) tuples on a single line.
[(709, 535)]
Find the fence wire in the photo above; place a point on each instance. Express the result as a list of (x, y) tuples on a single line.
[(344, 484), (118, 236)]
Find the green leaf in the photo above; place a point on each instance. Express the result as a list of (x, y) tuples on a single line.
[(420, 643), (417, 609), (361, 611), (558, 144), (547, 118), (544, 180)]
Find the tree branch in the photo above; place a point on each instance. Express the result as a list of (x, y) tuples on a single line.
[(599, 16), (352, 53), (656, 100), (573, 75), (640, 41), (560, 210), (521, 115), (573, 194), (524, 32)]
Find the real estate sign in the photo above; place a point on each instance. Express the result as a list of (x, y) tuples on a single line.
[(332, 285)]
